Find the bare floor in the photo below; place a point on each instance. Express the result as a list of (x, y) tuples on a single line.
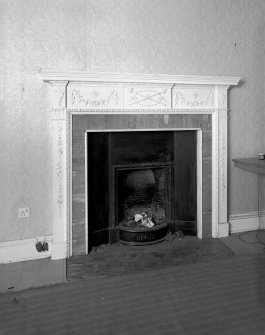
[(113, 260), (251, 242), (222, 295)]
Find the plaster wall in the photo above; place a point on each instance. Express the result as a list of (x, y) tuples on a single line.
[(197, 37)]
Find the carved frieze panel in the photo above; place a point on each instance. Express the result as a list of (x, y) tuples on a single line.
[(193, 97), (144, 97), (94, 97)]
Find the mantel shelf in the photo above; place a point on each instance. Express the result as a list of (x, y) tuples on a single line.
[(49, 76), (254, 165)]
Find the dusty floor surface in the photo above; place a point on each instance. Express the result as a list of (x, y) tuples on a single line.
[(185, 287), (118, 259)]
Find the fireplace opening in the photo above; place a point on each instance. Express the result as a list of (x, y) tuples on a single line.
[(140, 179), (142, 189), (142, 202)]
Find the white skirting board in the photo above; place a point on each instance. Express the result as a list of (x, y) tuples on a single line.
[(240, 222), (23, 250)]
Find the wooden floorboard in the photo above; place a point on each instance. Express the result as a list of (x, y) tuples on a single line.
[(223, 296)]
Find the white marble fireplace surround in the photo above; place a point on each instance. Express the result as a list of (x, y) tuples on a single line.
[(108, 94)]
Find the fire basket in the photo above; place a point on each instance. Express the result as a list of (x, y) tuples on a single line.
[(144, 236), (142, 231)]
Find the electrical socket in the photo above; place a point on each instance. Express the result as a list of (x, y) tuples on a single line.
[(23, 212)]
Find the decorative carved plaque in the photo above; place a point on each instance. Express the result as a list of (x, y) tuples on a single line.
[(94, 97), (147, 97), (58, 97), (193, 97)]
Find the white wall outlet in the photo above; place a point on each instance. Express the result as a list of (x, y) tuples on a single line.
[(23, 212)]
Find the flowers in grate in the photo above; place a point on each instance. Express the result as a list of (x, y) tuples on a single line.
[(143, 219)]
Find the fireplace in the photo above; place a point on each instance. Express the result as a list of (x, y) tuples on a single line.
[(133, 172), (133, 106)]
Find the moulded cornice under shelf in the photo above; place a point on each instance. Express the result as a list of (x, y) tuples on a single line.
[(49, 76)]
